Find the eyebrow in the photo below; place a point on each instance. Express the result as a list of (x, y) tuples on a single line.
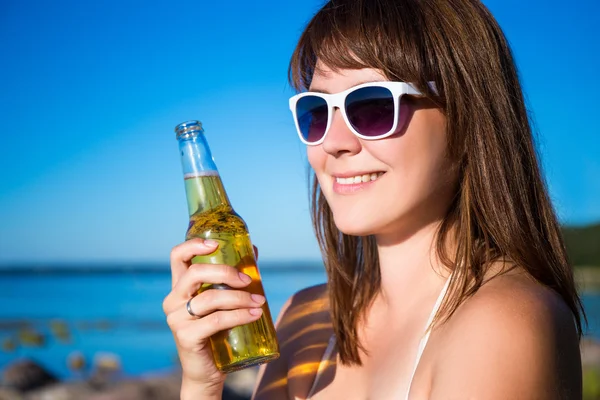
[(320, 90)]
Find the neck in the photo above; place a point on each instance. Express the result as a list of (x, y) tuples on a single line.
[(410, 267)]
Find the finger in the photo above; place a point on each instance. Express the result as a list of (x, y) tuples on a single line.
[(200, 329), (213, 300), (182, 254), (196, 275)]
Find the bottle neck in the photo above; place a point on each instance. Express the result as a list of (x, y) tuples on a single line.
[(203, 186)]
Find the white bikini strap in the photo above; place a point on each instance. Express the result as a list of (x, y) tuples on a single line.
[(425, 338), (322, 365)]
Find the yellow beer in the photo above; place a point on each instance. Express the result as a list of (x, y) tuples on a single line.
[(212, 217)]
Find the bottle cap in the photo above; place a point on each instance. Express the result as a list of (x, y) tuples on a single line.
[(188, 127)]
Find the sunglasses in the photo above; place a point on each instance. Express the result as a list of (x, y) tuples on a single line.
[(373, 110)]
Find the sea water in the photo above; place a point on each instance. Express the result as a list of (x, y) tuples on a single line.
[(50, 316)]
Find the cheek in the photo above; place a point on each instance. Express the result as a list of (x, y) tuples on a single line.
[(424, 142), (418, 157), (316, 158)]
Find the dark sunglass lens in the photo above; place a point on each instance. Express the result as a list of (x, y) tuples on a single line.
[(371, 110), (312, 117)]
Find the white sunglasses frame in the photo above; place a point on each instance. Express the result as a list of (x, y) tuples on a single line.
[(336, 100)]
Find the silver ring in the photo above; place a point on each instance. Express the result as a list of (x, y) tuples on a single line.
[(189, 309)]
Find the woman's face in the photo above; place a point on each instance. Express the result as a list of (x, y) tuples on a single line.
[(416, 181)]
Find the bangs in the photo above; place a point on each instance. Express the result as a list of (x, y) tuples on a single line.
[(365, 34)]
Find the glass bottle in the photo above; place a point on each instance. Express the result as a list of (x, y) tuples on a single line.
[(212, 217)]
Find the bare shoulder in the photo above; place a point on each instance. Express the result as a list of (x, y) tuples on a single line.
[(305, 296), (514, 338), (306, 311), (309, 305), (302, 326)]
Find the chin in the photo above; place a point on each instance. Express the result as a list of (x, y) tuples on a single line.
[(393, 223), (356, 226)]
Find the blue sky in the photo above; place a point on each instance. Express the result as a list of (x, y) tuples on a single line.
[(90, 93)]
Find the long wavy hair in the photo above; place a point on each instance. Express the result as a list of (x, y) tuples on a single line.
[(501, 210)]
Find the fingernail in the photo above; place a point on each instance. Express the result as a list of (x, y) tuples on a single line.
[(211, 243), (257, 298), (245, 278), (255, 311)]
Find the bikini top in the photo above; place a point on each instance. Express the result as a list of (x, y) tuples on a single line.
[(330, 350)]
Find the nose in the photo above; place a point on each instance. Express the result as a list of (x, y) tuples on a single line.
[(340, 139)]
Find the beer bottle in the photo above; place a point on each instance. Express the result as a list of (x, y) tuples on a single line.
[(212, 217)]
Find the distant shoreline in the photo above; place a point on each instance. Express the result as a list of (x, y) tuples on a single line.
[(587, 278), (150, 268)]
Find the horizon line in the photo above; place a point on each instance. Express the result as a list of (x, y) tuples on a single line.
[(138, 267)]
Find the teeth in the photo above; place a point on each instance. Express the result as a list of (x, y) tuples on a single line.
[(359, 178)]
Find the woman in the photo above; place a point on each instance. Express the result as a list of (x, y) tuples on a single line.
[(447, 273)]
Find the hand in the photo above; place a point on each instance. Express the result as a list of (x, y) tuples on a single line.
[(217, 310)]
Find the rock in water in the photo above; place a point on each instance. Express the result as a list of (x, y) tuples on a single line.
[(76, 361), (9, 345), (24, 375), (60, 330), (107, 370)]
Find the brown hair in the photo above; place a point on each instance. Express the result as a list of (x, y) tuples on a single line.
[(501, 209)]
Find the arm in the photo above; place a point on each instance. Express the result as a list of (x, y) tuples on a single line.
[(193, 391), (515, 341)]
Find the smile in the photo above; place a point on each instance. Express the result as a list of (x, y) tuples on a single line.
[(359, 178)]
